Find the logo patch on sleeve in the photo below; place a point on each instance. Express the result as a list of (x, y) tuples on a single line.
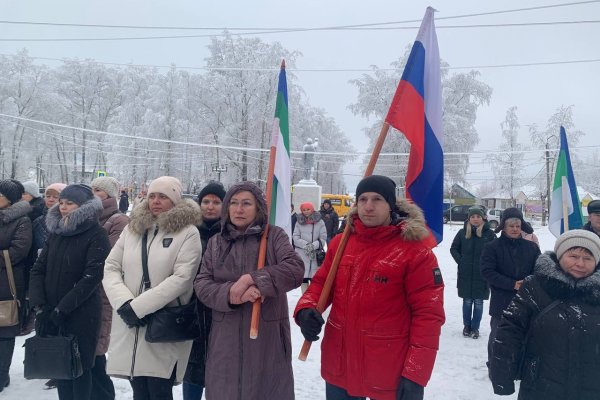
[(437, 277), (167, 242)]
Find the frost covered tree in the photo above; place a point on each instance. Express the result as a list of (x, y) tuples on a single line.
[(508, 161), (138, 123), (462, 95), (23, 93), (548, 139)]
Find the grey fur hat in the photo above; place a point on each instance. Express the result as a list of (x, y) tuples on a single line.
[(32, 188), (108, 185)]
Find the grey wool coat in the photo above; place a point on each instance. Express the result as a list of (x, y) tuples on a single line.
[(240, 368)]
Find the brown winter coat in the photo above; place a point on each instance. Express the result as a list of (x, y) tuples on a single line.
[(15, 236), (240, 368), (113, 222)]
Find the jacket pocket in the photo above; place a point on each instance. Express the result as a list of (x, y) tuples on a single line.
[(333, 345), (383, 358)]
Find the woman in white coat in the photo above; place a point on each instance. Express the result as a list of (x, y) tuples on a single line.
[(309, 235), (174, 252)]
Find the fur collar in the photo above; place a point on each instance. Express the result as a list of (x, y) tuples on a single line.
[(77, 221), (562, 285), (187, 212), (13, 212), (311, 219), (408, 216)]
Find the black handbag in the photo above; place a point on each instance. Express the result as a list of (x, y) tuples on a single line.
[(169, 324), (52, 357), (319, 252)]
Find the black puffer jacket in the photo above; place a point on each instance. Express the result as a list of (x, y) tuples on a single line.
[(588, 227), (197, 362), (561, 359), (504, 262), (67, 273), (15, 236), (466, 250)]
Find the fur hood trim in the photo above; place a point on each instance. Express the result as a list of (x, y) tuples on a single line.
[(408, 216), (187, 212), (312, 219), (15, 211), (88, 212), (564, 286)]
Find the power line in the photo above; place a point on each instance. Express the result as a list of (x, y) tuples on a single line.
[(290, 69), (227, 147), (283, 29), (127, 38)]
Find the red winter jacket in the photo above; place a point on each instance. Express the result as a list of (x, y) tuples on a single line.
[(387, 308)]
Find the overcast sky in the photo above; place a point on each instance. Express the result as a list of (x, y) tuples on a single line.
[(536, 90)]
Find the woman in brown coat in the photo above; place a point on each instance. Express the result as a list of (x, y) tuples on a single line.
[(240, 368), (106, 189)]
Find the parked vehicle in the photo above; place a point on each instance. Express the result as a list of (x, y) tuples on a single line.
[(459, 213), (493, 217)]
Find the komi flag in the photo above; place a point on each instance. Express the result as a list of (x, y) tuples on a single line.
[(281, 197), (564, 176), (416, 111)]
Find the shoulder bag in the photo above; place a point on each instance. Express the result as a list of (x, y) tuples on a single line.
[(169, 324), (9, 309), (528, 335), (52, 357)]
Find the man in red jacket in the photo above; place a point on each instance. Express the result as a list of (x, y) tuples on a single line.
[(383, 330)]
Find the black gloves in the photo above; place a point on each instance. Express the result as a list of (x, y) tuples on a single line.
[(310, 322), (409, 390), (42, 320), (129, 317), (57, 318)]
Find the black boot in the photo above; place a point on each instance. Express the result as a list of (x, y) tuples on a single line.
[(7, 347), (475, 334), (467, 331)]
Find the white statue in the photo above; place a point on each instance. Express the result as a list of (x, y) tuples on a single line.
[(309, 157)]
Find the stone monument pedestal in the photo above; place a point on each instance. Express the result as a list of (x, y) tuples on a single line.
[(306, 190)]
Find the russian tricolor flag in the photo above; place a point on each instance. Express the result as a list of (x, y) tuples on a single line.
[(416, 111)]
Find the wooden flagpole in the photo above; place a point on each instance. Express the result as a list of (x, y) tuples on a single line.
[(323, 298), (262, 250)]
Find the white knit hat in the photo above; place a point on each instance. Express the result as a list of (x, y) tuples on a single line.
[(32, 188), (167, 185), (578, 238), (108, 185)]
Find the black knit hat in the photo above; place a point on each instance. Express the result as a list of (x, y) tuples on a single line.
[(593, 207), (378, 184), (213, 187), (78, 193), (327, 201), (11, 189), (514, 212)]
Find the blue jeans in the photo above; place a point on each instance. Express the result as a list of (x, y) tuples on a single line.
[(192, 391), (472, 313)]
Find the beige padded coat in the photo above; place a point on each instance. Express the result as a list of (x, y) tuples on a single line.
[(174, 253)]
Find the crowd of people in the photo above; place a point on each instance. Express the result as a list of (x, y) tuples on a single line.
[(86, 265)]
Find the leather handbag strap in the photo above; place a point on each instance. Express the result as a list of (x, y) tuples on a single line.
[(146, 275), (9, 274)]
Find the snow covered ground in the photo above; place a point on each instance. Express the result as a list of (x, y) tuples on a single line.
[(459, 374)]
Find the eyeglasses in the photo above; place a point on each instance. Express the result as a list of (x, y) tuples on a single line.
[(306, 209)]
